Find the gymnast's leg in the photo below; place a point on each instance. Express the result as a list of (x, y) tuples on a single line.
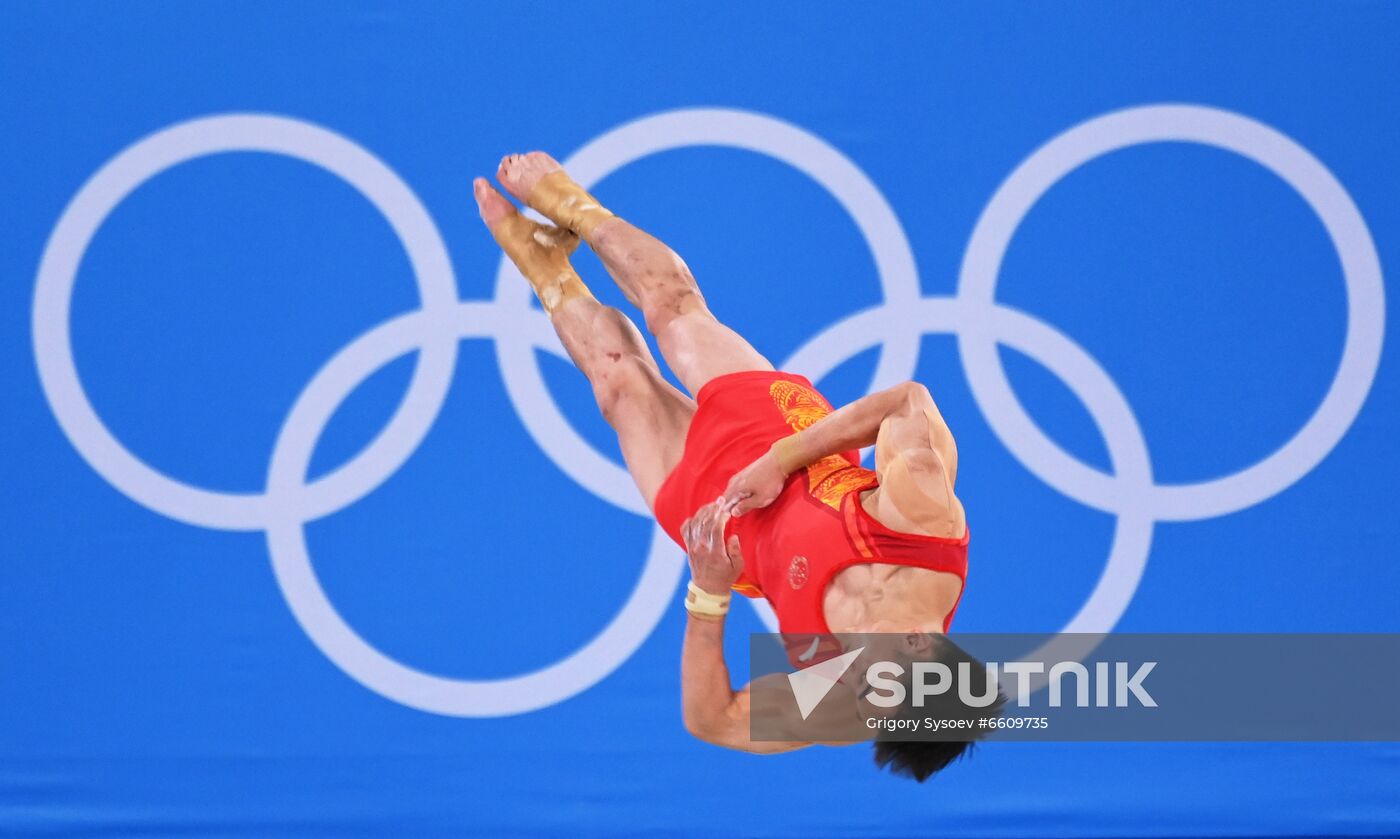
[(649, 415), (653, 277)]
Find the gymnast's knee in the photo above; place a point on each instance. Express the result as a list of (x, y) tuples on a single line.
[(623, 381), (664, 306), (611, 327)]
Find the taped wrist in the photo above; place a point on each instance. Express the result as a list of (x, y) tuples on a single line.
[(567, 204), (701, 602), (788, 453)]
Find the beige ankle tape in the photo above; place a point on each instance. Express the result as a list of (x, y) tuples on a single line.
[(542, 255), (567, 204)]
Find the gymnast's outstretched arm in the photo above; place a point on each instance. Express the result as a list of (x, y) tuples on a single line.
[(713, 710)]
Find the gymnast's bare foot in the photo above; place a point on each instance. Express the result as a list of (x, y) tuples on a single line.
[(519, 173), (539, 182)]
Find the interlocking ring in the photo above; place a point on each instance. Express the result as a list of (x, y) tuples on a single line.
[(896, 325)]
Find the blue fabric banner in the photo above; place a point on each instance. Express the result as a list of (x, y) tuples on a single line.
[(309, 526)]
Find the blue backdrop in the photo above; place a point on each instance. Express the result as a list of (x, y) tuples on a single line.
[(1194, 279)]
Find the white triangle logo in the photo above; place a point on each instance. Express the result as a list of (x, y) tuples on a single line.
[(811, 684)]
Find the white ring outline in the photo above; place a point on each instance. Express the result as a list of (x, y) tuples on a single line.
[(328, 630), (1254, 141), (148, 157), (1065, 359)]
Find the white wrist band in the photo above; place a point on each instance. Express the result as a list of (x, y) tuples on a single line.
[(701, 602)]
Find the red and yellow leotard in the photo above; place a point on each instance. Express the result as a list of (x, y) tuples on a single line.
[(816, 527)]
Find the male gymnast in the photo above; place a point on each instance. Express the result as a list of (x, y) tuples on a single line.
[(756, 476)]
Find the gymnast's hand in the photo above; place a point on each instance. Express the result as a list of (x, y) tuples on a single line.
[(714, 564), (756, 485)]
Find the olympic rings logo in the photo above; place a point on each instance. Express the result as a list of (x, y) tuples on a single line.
[(979, 323)]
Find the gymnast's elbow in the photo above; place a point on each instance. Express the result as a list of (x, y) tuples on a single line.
[(912, 397), (701, 726)]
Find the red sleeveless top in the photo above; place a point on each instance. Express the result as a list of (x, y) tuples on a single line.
[(794, 547)]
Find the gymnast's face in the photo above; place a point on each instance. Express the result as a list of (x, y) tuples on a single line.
[(902, 648)]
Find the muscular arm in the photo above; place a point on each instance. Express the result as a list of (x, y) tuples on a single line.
[(707, 700), (917, 462), (852, 426), (713, 711), (914, 456)]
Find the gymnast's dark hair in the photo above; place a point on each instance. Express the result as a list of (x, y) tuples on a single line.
[(917, 759), (922, 759)]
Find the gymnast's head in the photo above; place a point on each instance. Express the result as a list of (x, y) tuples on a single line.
[(903, 743)]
